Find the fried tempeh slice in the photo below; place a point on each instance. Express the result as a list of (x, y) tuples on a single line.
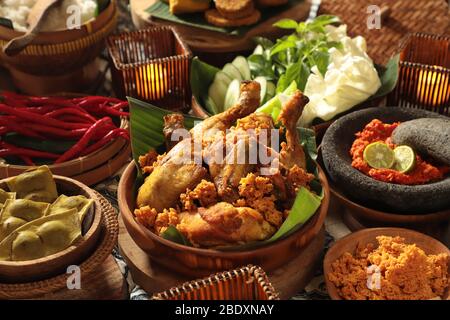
[(235, 9), (214, 17)]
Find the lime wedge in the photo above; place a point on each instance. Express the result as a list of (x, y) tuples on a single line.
[(378, 155), (405, 159)]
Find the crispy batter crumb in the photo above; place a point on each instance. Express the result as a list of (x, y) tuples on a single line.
[(204, 193), (146, 216), (149, 161), (254, 187), (406, 272), (298, 177), (169, 217), (256, 192), (153, 220)]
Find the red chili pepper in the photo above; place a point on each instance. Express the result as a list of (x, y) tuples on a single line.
[(83, 142), (36, 118), (94, 100), (3, 130), (73, 111), (74, 119), (12, 126), (113, 112), (49, 101), (11, 150), (27, 160), (120, 106), (51, 131), (113, 134)]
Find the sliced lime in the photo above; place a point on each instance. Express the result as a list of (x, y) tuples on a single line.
[(378, 155), (405, 159)]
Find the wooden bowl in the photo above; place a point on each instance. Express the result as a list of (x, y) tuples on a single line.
[(200, 262), (33, 270), (61, 52), (363, 237)]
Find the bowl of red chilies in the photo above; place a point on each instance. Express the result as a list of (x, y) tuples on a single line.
[(59, 130)]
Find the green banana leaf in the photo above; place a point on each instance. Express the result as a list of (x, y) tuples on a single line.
[(202, 75), (146, 125)]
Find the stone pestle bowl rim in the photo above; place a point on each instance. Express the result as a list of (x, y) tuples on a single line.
[(388, 197)]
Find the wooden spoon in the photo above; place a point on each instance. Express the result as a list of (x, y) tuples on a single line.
[(35, 21)]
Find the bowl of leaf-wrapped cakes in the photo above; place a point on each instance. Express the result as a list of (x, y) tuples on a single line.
[(47, 223)]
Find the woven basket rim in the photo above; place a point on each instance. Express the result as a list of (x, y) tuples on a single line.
[(103, 250), (255, 271), (87, 26), (113, 48)]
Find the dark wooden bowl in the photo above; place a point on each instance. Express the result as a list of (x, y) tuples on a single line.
[(43, 268), (403, 199), (363, 237), (200, 262)]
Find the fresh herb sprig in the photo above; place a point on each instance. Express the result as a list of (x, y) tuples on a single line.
[(291, 57)]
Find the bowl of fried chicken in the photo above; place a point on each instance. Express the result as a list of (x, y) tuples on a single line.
[(232, 207)]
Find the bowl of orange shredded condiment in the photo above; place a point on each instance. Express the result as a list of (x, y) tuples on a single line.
[(387, 264), (423, 190)]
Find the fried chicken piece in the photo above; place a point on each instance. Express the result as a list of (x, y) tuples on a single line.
[(214, 17), (222, 224), (248, 102), (172, 123), (203, 195), (292, 152), (177, 171), (236, 165), (235, 9)]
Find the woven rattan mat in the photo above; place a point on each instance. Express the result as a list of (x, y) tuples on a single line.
[(402, 17)]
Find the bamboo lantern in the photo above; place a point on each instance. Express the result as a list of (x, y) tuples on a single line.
[(424, 74), (151, 65)]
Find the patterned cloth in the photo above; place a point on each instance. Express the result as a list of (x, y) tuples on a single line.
[(335, 229)]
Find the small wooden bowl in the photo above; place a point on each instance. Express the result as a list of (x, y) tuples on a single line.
[(61, 52), (202, 262), (363, 237), (38, 269)]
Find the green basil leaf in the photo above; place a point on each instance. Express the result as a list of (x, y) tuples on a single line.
[(324, 20), (264, 42), (321, 60), (286, 24), (282, 46)]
